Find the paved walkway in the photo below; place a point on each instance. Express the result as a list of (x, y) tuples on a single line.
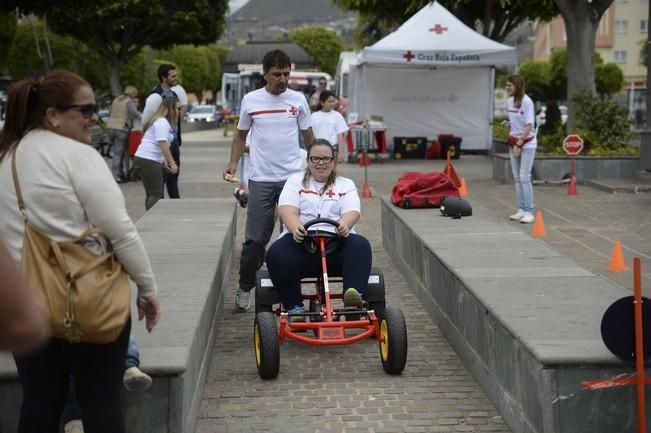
[(344, 389)]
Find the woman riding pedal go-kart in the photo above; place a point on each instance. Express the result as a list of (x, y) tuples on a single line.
[(319, 210)]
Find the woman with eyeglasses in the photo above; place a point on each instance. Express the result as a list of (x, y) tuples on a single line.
[(154, 154), (67, 188), (319, 193)]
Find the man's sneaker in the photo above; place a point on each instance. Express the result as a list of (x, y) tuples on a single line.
[(242, 196), (74, 426), (518, 215), (243, 299), (136, 380), (527, 218), (352, 299)]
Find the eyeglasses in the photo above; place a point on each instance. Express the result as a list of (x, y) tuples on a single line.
[(86, 110), (322, 83), (323, 159)]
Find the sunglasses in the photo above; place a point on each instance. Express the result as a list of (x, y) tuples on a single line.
[(86, 110), (323, 159)]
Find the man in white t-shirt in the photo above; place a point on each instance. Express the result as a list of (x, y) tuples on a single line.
[(276, 115)]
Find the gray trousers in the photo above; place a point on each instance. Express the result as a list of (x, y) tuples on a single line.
[(263, 198), (118, 141)]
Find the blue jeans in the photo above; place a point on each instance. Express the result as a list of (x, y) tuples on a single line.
[(521, 168)]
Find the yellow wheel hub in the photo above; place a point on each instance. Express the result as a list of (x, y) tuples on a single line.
[(384, 343), (256, 338)]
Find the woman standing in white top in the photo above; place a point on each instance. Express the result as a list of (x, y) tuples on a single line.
[(154, 155), (522, 141), (68, 188), (329, 124)]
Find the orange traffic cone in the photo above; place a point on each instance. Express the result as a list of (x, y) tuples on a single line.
[(463, 190), (617, 260), (539, 229), (366, 192), (571, 187)]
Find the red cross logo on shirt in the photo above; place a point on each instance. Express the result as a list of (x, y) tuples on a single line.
[(330, 194), (438, 29), (408, 55), (293, 111)]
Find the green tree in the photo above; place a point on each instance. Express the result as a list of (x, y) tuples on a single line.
[(609, 79), (7, 33), (495, 19), (193, 66), (119, 29), (581, 20), (536, 78), (322, 45), (643, 52), (23, 58)]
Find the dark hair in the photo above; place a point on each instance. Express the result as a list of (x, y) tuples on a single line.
[(333, 173), (28, 101), (324, 97), (518, 83), (276, 58), (165, 69)]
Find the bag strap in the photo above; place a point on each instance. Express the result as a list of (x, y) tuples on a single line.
[(19, 194)]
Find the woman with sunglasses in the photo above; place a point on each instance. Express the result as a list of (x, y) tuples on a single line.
[(67, 189), (319, 193), (154, 154)]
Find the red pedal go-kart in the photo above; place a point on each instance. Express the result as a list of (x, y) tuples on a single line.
[(323, 324)]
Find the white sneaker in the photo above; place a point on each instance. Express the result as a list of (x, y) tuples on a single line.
[(527, 218), (243, 299), (74, 426), (136, 380), (518, 215)]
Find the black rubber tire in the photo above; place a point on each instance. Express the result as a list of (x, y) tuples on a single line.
[(261, 308), (265, 341), (393, 352), (379, 307)]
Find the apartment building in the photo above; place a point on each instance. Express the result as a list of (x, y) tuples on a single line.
[(622, 29)]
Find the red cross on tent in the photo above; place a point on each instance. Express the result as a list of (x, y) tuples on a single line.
[(293, 111), (438, 29), (330, 194), (408, 55)]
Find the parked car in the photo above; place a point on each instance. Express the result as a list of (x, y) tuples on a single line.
[(203, 113)]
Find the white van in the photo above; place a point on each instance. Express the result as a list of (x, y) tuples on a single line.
[(236, 85)]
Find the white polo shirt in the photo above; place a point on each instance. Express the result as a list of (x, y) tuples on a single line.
[(149, 148), (520, 117), (328, 125), (274, 121), (340, 198)]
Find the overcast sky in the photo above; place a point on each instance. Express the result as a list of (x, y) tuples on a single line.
[(234, 5)]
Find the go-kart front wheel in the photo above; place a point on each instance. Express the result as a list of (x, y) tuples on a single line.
[(393, 341), (265, 339)]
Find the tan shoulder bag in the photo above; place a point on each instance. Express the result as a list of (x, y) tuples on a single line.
[(86, 296)]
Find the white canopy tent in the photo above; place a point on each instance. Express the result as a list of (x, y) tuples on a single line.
[(433, 75)]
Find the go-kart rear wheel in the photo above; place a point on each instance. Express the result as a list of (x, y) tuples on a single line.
[(265, 339), (393, 342)]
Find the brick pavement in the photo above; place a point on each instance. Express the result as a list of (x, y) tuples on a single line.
[(344, 389)]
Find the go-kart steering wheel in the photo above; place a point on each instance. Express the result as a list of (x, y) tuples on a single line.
[(333, 241)]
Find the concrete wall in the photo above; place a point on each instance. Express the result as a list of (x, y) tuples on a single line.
[(524, 319), (586, 167)]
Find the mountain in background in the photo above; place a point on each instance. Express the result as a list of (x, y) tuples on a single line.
[(270, 19)]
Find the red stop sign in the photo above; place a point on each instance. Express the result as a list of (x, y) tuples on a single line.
[(573, 144)]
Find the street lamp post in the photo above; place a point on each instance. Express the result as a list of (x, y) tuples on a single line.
[(645, 145)]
